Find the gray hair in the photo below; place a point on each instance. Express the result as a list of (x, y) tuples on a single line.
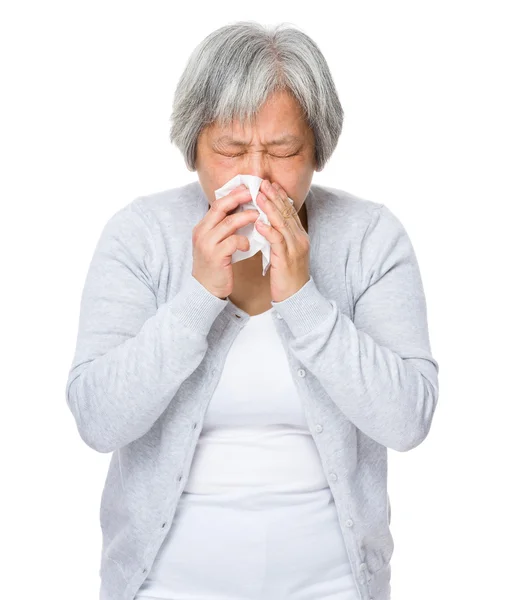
[(231, 73)]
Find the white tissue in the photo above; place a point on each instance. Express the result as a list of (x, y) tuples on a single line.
[(256, 239)]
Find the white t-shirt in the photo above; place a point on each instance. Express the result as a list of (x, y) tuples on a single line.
[(256, 518)]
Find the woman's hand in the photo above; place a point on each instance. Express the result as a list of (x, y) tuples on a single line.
[(214, 240), (290, 244)]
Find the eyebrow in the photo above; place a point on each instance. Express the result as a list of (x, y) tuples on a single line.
[(280, 141)]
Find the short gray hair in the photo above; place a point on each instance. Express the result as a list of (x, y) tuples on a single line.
[(231, 73)]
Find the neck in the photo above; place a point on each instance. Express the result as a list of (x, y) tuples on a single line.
[(303, 217), (249, 271)]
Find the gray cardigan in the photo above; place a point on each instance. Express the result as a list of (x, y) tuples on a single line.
[(152, 342)]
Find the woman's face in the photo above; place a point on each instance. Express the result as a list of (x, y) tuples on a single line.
[(278, 147)]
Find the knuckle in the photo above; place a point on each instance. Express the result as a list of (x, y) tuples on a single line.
[(305, 244), (207, 254)]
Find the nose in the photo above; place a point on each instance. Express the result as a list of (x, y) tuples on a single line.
[(256, 163)]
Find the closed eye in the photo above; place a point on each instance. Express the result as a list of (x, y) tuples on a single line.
[(273, 155)]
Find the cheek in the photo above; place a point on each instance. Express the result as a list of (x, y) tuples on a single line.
[(216, 172), (225, 168), (293, 170)]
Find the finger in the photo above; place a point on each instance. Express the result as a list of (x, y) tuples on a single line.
[(222, 206), (231, 224), (285, 198), (283, 217), (273, 206)]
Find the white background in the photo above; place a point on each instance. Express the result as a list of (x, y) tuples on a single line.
[(87, 93)]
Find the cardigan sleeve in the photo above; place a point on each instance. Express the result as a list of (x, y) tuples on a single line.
[(377, 367), (131, 356)]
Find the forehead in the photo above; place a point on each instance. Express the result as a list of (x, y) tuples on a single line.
[(279, 121), (241, 139)]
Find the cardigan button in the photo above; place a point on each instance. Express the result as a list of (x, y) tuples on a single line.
[(279, 316), (349, 522), (301, 372), (318, 428)]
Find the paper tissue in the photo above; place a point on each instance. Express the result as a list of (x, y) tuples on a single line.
[(256, 239)]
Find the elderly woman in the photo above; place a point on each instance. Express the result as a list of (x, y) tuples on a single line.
[(249, 398)]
